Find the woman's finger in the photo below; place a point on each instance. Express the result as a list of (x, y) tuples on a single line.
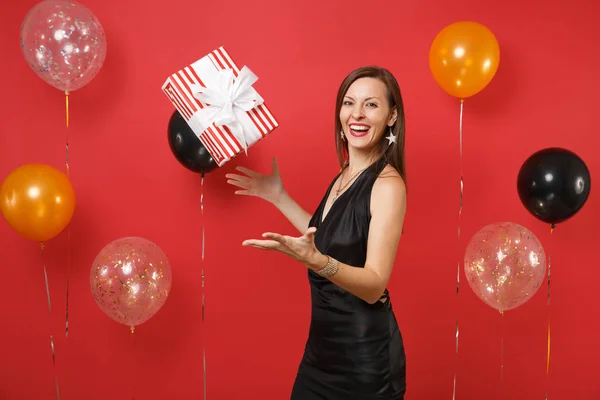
[(261, 244), (249, 172), (310, 232), (241, 184), (276, 237), (237, 177), (256, 246)]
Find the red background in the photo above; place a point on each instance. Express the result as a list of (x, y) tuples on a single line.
[(257, 304)]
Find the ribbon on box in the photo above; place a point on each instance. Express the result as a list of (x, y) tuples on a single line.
[(227, 99)]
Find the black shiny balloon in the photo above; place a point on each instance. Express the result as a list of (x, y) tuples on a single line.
[(187, 148), (553, 184)]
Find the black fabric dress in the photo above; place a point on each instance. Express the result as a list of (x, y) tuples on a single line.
[(354, 349)]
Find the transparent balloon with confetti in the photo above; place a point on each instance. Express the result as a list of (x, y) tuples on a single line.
[(64, 43), (505, 265), (130, 280)]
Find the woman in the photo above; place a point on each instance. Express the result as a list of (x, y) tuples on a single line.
[(354, 348)]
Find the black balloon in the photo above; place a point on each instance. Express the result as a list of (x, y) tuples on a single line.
[(553, 184), (187, 148)]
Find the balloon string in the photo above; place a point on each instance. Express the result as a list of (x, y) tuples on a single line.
[(202, 273), (460, 206), (68, 273), (68, 169), (43, 247), (67, 137), (67, 107), (502, 351), (548, 349), (132, 362)]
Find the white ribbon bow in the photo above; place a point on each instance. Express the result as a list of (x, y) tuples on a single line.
[(227, 99)]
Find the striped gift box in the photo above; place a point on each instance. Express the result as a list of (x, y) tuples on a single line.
[(219, 140)]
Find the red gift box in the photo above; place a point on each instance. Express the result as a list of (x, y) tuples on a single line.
[(217, 100)]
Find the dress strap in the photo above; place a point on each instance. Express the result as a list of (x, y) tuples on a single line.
[(386, 298)]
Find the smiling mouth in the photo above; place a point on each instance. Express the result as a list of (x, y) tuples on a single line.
[(359, 130)]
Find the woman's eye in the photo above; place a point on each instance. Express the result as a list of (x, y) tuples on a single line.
[(371, 105), (347, 103)]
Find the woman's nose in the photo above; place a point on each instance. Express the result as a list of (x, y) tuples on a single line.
[(357, 112)]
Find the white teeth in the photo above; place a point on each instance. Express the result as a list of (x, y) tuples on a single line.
[(359, 128)]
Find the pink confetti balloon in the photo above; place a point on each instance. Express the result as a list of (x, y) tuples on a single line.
[(130, 280), (505, 265), (63, 43)]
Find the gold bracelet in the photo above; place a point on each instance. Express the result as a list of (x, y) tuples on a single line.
[(330, 269)]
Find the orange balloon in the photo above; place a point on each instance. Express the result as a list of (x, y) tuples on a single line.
[(464, 58), (37, 201)]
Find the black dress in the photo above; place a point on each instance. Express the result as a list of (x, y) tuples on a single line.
[(354, 349)]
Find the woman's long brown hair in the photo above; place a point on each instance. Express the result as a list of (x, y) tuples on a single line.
[(392, 154)]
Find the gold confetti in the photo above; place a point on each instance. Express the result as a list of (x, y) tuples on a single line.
[(139, 284)]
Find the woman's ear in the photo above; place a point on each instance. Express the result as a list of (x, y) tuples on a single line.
[(393, 117)]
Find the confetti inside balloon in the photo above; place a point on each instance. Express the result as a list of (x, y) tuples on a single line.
[(63, 43), (505, 265), (130, 280)]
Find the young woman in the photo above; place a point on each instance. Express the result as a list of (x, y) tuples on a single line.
[(354, 348)]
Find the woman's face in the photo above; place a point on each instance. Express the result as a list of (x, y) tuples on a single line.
[(365, 113)]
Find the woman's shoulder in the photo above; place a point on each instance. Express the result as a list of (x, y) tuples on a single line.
[(389, 176), (389, 183)]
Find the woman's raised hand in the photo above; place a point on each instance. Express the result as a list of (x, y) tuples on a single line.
[(267, 187)]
